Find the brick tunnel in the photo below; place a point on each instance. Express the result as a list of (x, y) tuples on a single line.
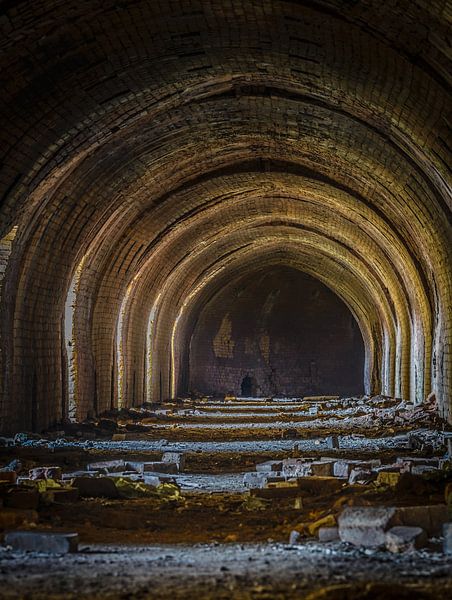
[(202, 200)]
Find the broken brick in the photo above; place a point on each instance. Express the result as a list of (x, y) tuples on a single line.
[(405, 539), (365, 526), (107, 465)]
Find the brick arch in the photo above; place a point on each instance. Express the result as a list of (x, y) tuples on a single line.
[(106, 130)]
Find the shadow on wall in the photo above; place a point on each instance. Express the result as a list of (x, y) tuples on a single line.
[(277, 332)]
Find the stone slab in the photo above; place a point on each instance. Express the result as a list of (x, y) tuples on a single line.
[(96, 487), (47, 542), (322, 468), (107, 465), (366, 526), (320, 485), (328, 534), (270, 465)]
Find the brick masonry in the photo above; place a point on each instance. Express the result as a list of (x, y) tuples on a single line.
[(283, 328), (173, 147)]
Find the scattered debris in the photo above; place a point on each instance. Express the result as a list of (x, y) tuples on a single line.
[(405, 539), (367, 526), (302, 487)]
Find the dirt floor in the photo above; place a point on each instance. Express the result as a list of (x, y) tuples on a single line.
[(213, 538)]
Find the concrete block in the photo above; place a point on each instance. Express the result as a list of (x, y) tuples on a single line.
[(343, 468), (260, 480), (328, 534), (177, 458), (107, 465), (362, 476), (96, 487), (296, 467), (320, 486), (74, 474), (421, 469), (405, 539), (409, 461), (270, 465), (134, 466), (48, 542), (431, 517), (366, 526), (45, 473), (322, 468)]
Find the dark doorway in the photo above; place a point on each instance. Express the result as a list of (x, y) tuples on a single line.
[(249, 387)]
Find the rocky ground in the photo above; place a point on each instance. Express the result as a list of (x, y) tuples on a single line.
[(199, 530)]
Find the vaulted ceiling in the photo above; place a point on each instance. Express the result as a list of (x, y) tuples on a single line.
[(152, 151)]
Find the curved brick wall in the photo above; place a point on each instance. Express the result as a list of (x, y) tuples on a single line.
[(152, 152)]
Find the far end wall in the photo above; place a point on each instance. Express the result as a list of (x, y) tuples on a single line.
[(278, 332)]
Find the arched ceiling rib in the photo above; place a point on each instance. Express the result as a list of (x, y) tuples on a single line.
[(138, 133), (132, 89)]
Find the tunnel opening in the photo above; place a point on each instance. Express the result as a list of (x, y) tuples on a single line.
[(262, 192), (277, 332), (248, 387)]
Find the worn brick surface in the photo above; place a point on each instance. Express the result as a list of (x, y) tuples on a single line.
[(153, 152)]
